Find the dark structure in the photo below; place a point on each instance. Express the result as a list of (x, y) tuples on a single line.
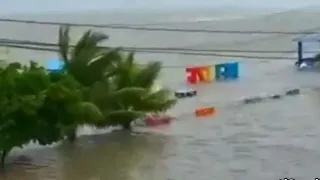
[(303, 39), (293, 92)]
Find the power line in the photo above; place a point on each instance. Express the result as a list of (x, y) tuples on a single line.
[(173, 49), (181, 51), (160, 52), (51, 47), (126, 27)]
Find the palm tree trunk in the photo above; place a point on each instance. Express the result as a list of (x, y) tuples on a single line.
[(71, 136), (71, 133), (3, 156), (126, 125)]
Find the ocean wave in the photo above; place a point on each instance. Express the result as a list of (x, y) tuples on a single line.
[(204, 19), (199, 19)]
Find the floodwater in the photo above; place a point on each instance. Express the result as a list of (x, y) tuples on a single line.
[(270, 140)]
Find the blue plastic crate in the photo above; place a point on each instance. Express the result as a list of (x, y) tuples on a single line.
[(232, 70), (55, 64), (227, 71), (220, 71)]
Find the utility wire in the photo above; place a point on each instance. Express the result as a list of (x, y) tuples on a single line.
[(162, 52), (181, 51), (126, 27), (158, 52), (51, 47), (28, 47), (37, 48), (174, 49)]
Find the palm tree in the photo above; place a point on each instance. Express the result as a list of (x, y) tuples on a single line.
[(130, 93), (86, 61), (114, 82)]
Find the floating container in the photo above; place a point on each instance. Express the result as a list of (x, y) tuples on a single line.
[(185, 93), (227, 71), (55, 64), (157, 120), (198, 74), (209, 111), (206, 74)]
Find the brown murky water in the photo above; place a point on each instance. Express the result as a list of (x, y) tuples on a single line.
[(266, 141)]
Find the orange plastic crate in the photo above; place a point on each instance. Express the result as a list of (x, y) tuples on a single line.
[(205, 111)]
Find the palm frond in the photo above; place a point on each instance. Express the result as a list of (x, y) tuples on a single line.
[(121, 117), (81, 45), (98, 93), (106, 57), (125, 74), (87, 48), (103, 66), (87, 62), (130, 60), (64, 43), (88, 113), (123, 98), (155, 105), (161, 94), (99, 37), (147, 76)]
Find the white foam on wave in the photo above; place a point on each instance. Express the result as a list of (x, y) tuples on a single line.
[(203, 19), (212, 18)]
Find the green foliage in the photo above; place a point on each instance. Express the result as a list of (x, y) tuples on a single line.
[(112, 81), (100, 87), (130, 93), (87, 62), (131, 75), (35, 108), (18, 105), (317, 57)]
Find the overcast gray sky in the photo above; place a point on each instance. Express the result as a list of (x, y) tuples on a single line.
[(10, 6)]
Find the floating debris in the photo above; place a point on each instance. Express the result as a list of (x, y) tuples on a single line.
[(207, 111), (252, 100), (276, 96), (185, 93), (293, 92)]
